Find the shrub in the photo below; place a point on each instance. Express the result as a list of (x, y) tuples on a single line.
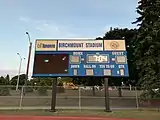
[(150, 95), (60, 84)]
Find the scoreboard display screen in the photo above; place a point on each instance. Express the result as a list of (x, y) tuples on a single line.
[(43, 63), (56, 58), (93, 58)]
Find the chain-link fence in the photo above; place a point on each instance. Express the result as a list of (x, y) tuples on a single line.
[(88, 97)]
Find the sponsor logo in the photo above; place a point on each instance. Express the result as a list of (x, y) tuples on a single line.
[(114, 45), (43, 45)]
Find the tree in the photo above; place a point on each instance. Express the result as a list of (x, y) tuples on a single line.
[(77, 81), (147, 52), (21, 79), (2, 81), (7, 78), (36, 81), (64, 79), (4, 91)]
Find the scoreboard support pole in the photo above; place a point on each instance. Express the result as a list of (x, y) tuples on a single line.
[(107, 104), (54, 90)]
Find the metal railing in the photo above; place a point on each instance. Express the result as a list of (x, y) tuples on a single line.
[(89, 97)]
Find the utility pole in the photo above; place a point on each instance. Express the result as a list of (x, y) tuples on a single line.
[(28, 63), (19, 70)]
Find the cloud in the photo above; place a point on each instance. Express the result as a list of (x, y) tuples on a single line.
[(24, 19), (49, 29), (41, 29)]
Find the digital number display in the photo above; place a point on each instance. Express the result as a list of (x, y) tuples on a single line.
[(107, 72), (122, 72), (93, 58), (74, 59), (89, 72), (121, 59)]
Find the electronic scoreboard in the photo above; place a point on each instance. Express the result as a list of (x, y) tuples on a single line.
[(56, 58)]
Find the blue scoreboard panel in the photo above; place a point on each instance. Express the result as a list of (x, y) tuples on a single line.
[(56, 58)]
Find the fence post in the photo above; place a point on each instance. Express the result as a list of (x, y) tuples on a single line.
[(130, 87), (79, 97), (137, 101), (21, 97)]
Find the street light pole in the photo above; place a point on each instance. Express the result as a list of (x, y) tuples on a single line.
[(29, 56), (19, 71)]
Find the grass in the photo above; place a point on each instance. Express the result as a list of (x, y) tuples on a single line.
[(137, 114)]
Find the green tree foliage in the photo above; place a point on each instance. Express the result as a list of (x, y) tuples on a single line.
[(77, 81), (37, 81), (64, 79), (4, 91), (2, 81), (42, 89), (7, 78), (43, 84), (21, 80), (34, 82), (92, 81), (147, 50)]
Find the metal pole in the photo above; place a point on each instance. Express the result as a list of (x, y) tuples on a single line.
[(137, 101), (21, 99), (19, 74), (107, 105), (79, 98), (19, 70), (28, 63), (54, 90)]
